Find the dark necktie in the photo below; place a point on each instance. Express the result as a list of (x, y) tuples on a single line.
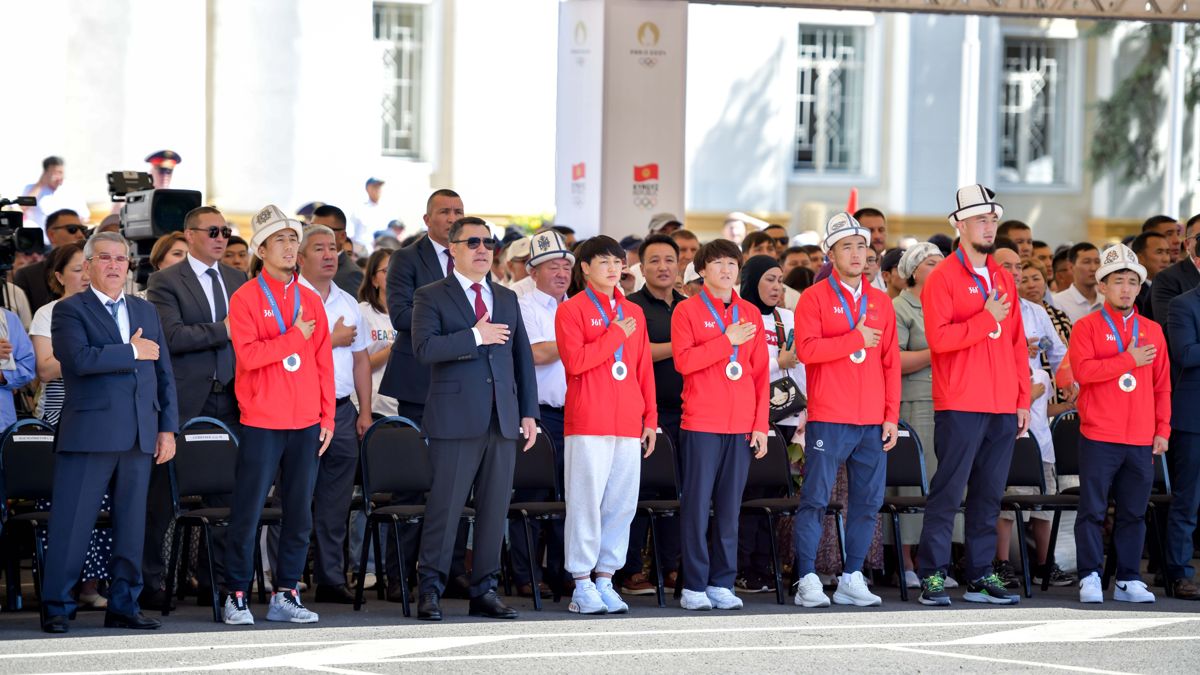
[(224, 371), (113, 307), (449, 262), (219, 310), (480, 308)]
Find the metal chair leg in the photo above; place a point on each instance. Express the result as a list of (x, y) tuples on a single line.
[(1023, 553), (659, 592), (172, 566), (775, 564), (212, 577), (403, 573), (901, 567), (360, 586), (259, 572), (184, 559), (534, 564), (841, 535), (380, 572)]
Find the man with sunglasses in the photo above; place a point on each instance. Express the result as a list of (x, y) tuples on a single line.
[(62, 227), (193, 303)]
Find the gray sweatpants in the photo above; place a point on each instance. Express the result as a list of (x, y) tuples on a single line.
[(602, 475)]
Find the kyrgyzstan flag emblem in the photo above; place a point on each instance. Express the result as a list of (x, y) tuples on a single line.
[(644, 173), (578, 171)]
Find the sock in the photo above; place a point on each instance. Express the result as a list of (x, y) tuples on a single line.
[(603, 582)]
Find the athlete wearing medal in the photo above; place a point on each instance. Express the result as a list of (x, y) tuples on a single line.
[(610, 406), (846, 338), (722, 356), (285, 388), (981, 400), (1119, 358)]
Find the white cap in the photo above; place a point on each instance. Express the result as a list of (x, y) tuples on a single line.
[(914, 256), (518, 249), (690, 274), (974, 200), (267, 222), (1119, 257), (841, 226), (547, 245)]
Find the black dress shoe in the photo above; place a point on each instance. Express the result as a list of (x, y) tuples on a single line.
[(490, 605), (153, 599), (56, 624), (340, 595), (139, 621), (428, 608)]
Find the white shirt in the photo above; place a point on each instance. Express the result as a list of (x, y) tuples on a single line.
[(1038, 325), (381, 337), (787, 317), (122, 314), (370, 217), (41, 320), (523, 287), (470, 293), (1074, 305), (1039, 422), (49, 201), (855, 293), (537, 311), (987, 278), (206, 283), (341, 305), (442, 253)]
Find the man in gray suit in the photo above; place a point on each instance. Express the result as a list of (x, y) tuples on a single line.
[(192, 299)]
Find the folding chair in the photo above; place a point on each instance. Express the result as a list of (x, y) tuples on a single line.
[(660, 475), (535, 470), (905, 469), (26, 475), (1026, 471), (1064, 430)]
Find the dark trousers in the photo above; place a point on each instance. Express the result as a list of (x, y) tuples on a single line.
[(80, 481), (332, 495), (160, 512), (485, 462), (1128, 471), (714, 473), (1184, 462), (974, 452), (827, 447), (292, 453), (668, 528), (552, 421)]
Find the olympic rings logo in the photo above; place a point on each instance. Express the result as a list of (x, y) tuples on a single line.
[(648, 61), (645, 202)]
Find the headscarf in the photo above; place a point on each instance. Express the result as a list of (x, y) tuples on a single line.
[(752, 272)]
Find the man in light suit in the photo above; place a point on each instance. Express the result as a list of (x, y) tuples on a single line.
[(192, 300), (1183, 460), (483, 395), (120, 411)]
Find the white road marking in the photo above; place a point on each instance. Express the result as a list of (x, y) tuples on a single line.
[(1067, 631), (1016, 662)]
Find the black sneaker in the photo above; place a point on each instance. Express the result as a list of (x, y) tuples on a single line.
[(933, 590), (1007, 573), (990, 589), (1057, 576), (751, 583)]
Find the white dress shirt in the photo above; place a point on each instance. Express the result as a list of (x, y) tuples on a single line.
[(206, 284), (122, 314), (443, 255), (523, 287), (1074, 305), (342, 305), (537, 311), (1038, 325), (470, 293)]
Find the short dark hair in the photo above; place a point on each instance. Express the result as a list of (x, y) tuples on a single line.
[(192, 216), (444, 192), (891, 259), (330, 211), (799, 278), (657, 238), (1037, 243), (457, 226), (1154, 221), (776, 225), (1142, 241), (1192, 221), (1010, 225), (868, 211), (688, 234), (715, 250), (52, 160), (1059, 257), (52, 219), (237, 240), (812, 248), (792, 250), (754, 239), (1081, 247), (562, 229), (1006, 243), (600, 245)]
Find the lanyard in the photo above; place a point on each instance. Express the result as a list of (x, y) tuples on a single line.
[(1113, 327), (974, 277), (862, 303), (717, 318), (607, 320), (262, 283)]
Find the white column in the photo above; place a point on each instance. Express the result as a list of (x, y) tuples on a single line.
[(968, 119), (1172, 190)]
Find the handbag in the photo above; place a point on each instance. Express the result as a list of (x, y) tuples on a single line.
[(784, 395)]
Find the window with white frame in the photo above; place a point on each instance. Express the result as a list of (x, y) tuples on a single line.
[(1033, 111), (830, 78), (399, 35)]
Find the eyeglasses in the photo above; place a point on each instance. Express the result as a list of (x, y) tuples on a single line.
[(71, 229), (107, 258), (225, 232), (782, 241), (490, 243)]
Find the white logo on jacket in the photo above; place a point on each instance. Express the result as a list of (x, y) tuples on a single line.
[(973, 290), (710, 324), (839, 310), (597, 322), (268, 314)]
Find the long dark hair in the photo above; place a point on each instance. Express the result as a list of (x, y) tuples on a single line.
[(368, 292)]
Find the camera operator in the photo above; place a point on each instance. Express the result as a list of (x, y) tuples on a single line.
[(62, 227)]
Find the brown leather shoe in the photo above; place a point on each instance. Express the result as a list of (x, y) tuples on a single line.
[(526, 590), (637, 584), (1186, 589)]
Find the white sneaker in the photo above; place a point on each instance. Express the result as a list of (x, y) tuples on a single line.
[(723, 598), (949, 582), (1132, 591), (369, 580), (286, 606), (695, 600), (236, 612), (810, 593), (612, 599), (1089, 589), (911, 580), (852, 590), (586, 599)]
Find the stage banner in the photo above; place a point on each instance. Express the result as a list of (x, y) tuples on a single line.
[(579, 128)]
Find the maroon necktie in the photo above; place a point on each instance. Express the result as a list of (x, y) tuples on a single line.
[(480, 308), (449, 263)]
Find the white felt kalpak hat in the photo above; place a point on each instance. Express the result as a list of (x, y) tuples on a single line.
[(267, 222), (547, 245), (1119, 257), (690, 274), (841, 226), (974, 200)]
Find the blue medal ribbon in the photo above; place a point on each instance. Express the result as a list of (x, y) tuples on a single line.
[(1112, 325), (862, 304), (608, 320), (974, 277), (720, 323), (262, 283)]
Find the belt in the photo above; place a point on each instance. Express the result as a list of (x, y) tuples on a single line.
[(550, 407), (345, 400), (219, 387)]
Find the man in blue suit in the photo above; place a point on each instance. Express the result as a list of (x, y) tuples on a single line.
[(1183, 339), (119, 412), (482, 394)]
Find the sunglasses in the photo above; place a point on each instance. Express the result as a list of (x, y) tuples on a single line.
[(782, 241), (490, 243), (71, 229), (225, 232)]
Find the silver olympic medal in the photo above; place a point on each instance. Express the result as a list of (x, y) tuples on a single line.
[(620, 371), (996, 333), (1127, 382), (734, 370), (858, 356), (292, 363)]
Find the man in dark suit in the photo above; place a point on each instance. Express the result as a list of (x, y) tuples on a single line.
[(192, 299), (349, 275), (1177, 279), (483, 394), (120, 410), (1154, 253), (1184, 456), (406, 379), (62, 227)]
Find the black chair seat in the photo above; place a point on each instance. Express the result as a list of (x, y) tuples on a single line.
[(784, 505), (537, 509), (102, 520), (1160, 500), (220, 514), (1073, 490), (1035, 502), (658, 506), (901, 503)]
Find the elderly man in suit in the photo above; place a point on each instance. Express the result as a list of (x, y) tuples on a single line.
[(192, 300), (483, 394), (1183, 334), (119, 412)]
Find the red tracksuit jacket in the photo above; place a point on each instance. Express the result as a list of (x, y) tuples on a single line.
[(598, 404), (712, 402), (971, 371), (840, 391), (1106, 413), (269, 396)]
